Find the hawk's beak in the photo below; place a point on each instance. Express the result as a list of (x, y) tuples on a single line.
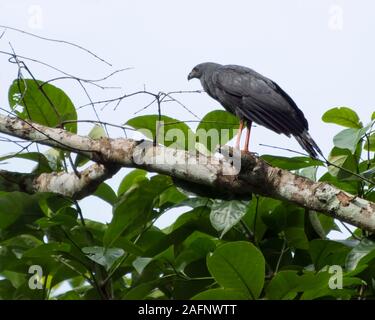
[(191, 75)]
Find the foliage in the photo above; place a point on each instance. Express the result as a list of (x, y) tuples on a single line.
[(42, 103), (216, 249)]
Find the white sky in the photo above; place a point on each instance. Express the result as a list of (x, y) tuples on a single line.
[(321, 52)]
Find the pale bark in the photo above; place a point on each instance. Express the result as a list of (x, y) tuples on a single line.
[(66, 184), (208, 175)]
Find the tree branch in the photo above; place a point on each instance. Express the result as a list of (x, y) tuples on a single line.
[(205, 174), (66, 184)]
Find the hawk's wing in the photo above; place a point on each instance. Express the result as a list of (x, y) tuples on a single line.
[(258, 99)]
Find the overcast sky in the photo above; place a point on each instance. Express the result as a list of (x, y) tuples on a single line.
[(319, 51)]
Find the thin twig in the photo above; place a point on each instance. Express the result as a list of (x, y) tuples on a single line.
[(58, 41), (280, 257)]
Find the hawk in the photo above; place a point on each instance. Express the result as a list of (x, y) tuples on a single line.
[(254, 98)]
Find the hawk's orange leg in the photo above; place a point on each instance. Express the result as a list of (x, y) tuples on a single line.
[(238, 139), (247, 139)]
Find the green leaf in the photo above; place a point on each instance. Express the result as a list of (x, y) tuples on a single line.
[(23, 241), (106, 193), (171, 197), (281, 216), (13, 205), (195, 202), (327, 223), (47, 249), (314, 285), (348, 186), (17, 279), (104, 257), (130, 213), (175, 237), (150, 241), (309, 172), (342, 116), (66, 216), (172, 132), (96, 133), (283, 286), (128, 246), (141, 291), (69, 295), (370, 143), (217, 128), (196, 219), (47, 104), (362, 254), (141, 263), (293, 163), (296, 237), (327, 252), (7, 291), (226, 214), (55, 158), (313, 226), (184, 290), (349, 138), (131, 178), (273, 214), (220, 294), (240, 266), (345, 159), (195, 247), (254, 215), (317, 285)]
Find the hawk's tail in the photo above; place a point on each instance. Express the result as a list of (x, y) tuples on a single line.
[(308, 144)]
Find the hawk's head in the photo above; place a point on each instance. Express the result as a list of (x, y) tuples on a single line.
[(201, 69), (195, 73)]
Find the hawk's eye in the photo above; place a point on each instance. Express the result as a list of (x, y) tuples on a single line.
[(195, 69)]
